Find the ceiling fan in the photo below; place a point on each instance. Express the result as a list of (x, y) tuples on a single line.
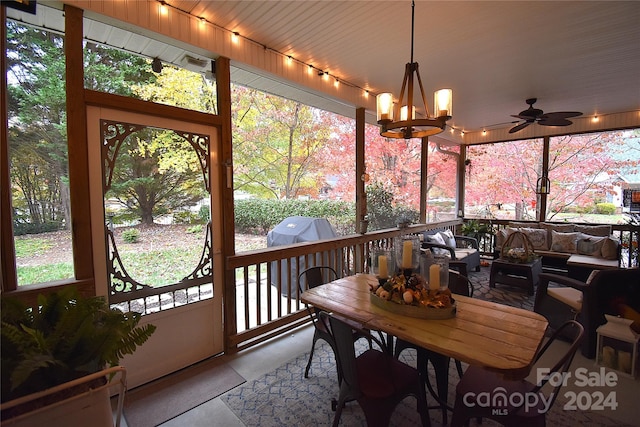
[(532, 115)]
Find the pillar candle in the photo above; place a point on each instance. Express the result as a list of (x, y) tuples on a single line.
[(624, 361), (383, 271), (407, 253), (609, 357), (434, 277)]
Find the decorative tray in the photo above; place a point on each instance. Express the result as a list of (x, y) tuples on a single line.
[(433, 313)]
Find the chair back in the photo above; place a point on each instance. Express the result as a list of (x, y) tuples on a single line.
[(459, 284), (571, 329), (345, 353), (315, 276)]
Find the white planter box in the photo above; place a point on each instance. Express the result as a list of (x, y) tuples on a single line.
[(90, 408)]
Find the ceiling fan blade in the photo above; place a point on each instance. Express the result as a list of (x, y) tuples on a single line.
[(522, 117), (561, 114), (519, 127), (554, 121)]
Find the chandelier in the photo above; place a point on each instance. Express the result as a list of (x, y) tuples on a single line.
[(407, 125)]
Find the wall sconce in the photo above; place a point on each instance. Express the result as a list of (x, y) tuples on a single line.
[(542, 186)]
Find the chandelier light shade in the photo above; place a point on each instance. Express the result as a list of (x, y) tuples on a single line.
[(394, 119)]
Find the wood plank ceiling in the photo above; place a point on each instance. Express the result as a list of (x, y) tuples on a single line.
[(572, 56)]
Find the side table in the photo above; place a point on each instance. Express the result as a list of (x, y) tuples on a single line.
[(523, 275)]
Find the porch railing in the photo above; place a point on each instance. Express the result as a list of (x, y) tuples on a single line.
[(261, 296), (264, 285)]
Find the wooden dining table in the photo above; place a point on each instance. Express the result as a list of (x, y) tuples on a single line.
[(495, 336)]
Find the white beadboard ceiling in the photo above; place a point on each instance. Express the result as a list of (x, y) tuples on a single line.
[(571, 55)]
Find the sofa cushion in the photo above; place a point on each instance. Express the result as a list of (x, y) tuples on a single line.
[(590, 245), (567, 295), (594, 230), (562, 228), (514, 224), (538, 238), (564, 242), (594, 263)]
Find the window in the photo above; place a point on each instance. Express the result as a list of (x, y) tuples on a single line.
[(442, 163), (589, 174), (38, 154), (289, 159), (500, 180)]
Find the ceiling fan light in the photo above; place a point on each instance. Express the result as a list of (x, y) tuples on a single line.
[(384, 106), (443, 103)]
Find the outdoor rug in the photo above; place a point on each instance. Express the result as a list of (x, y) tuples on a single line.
[(285, 398), (503, 294), (163, 399)]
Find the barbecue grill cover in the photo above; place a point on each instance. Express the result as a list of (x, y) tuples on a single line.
[(297, 229)]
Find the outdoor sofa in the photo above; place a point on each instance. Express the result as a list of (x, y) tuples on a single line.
[(573, 249)]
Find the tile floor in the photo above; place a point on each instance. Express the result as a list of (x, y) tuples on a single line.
[(264, 358)]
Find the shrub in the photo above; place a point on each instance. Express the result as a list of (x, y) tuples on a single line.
[(258, 216), (186, 217), (204, 214), (605, 208), (131, 235), (21, 228), (195, 229)]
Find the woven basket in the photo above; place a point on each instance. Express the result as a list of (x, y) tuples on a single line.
[(518, 248)]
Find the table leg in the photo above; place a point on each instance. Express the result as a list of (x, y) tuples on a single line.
[(440, 365)]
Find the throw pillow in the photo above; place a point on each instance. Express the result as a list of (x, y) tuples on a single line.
[(437, 238), (561, 228), (502, 235), (610, 248), (590, 245), (564, 242), (448, 238), (538, 238)]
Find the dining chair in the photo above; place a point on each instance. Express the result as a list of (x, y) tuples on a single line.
[(310, 278), (374, 378), (533, 400), (461, 285)]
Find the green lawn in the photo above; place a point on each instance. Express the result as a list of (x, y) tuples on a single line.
[(45, 273)]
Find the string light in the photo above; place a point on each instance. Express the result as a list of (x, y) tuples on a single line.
[(235, 38), (164, 10)]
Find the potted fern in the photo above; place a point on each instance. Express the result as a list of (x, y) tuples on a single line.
[(65, 338)]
